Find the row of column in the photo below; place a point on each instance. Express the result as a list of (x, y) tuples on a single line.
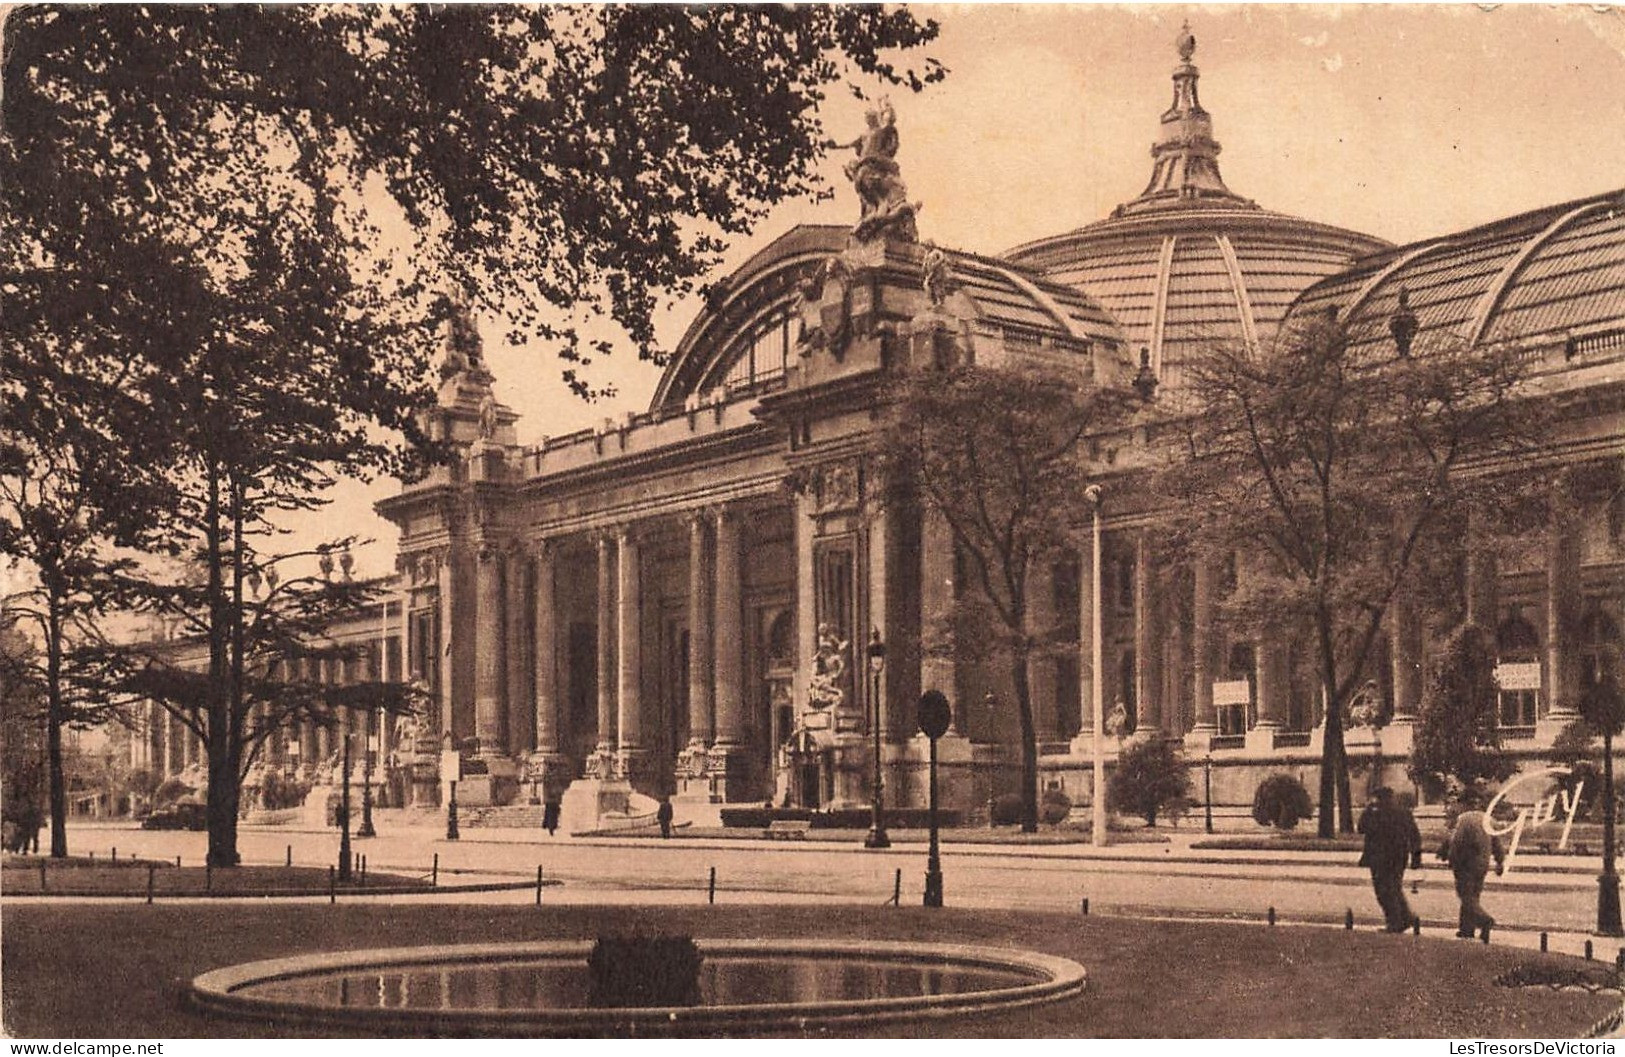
[(716, 694)]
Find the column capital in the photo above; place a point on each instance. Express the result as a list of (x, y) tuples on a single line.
[(493, 550), (542, 549), (628, 533)]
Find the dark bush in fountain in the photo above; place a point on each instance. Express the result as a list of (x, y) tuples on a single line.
[(643, 971)]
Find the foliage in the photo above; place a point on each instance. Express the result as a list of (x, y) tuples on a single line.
[(279, 791), (22, 737), (565, 163), (1151, 777), (1281, 801), (1456, 740), (1055, 807), (1007, 809), (999, 454), (170, 791), (1575, 747), (1329, 472)]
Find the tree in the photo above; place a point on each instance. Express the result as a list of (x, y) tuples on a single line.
[(1456, 739), (23, 779), (996, 452), (1331, 475), (194, 190), (1151, 778)]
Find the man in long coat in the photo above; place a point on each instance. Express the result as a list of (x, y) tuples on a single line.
[(1391, 842), (1470, 848)]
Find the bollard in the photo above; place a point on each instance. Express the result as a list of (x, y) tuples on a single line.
[(897, 890), (434, 872), (208, 876), (1086, 906), (115, 853), (1588, 950), (177, 861), (1543, 943), (538, 884), (1484, 934), (42, 875), (332, 882), (1416, 926), (92, 856), (1348, 919), (150, 870), (363, 871), (711, 889), (1272, 917), (289, 863)]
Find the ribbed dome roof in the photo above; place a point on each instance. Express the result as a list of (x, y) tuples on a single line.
[(1190, 262), (1558, 270)]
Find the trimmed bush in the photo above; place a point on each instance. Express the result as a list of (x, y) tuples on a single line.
[(1007, 809), (1054, 806), (1281, 801), (1151, 778)]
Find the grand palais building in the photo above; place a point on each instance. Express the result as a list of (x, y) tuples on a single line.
[(681, 602)]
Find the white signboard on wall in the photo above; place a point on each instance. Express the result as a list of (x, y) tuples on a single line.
[(1524, 676), (1232, 692)]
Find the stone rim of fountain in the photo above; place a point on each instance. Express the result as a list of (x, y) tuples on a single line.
[(220, 991)]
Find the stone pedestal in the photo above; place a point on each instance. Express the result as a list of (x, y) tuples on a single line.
[(1261, 738), (546, 775), (728, 775), (587, 800), (488, 781)]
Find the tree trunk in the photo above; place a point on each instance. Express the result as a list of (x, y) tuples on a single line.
[(1029, 743), (221, 811), (53, 728), (1334, 776)]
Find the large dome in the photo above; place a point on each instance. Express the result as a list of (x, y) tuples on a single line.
[(1189, 262)]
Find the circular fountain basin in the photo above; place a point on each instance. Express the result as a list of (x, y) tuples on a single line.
[(746, 986)]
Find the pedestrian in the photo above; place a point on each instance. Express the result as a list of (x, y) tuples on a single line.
[(550, 817), (663, 816), (1391, 841), (1469, 849)]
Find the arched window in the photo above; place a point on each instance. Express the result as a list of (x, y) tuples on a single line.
[(1517, 671), (761, 354)]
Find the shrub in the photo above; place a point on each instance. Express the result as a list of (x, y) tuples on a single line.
[(171, 790), (1281, 801), (1007, 809), (279, 792), (1151, 777), (1054, 806), (1456, 735)]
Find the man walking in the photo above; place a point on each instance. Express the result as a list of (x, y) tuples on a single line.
[(1391, 841), (1469, 848), (663, 816)]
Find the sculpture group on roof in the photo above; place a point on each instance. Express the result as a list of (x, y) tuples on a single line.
[(887, 212)]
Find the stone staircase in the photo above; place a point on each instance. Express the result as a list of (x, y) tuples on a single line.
[(511, 816)]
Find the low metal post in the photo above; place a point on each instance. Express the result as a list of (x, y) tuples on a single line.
[(290, 857), (711, 888), (208, 876), (1348, 919), (332, 884), (1085, 906), (151, 869), (897, 890), (434, 872), (1543, 943), (1588, 950), (1272, 916), (538, 884), (42, 875)]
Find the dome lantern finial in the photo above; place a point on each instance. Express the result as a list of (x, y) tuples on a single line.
[(1186, 156), (1186, 42)]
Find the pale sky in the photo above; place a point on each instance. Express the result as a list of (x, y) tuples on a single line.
[(1399, 121)]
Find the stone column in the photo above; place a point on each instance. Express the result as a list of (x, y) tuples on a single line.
[(1147, 642), (1203, 634), (629, 650), (521, 725), (443, 642), (545, 654), (1405, 641), (490, 720), (1563, 608), (606, 649), (1270, 655), (701, 723), (1041, 665), (729, 640)]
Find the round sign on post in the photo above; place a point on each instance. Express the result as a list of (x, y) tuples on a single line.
[(935, 715)]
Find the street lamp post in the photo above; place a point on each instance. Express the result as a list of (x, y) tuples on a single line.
[(992, 745), (344, 814), (1207, 792), (877, 660), (1097, 707), (1608, 917), (935, 716), (367, 829)]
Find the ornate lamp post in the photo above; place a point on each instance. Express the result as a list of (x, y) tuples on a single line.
[(877, 661), (935, 716), (1097, 706), (451, 814), (344, 815), (366, 829)]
